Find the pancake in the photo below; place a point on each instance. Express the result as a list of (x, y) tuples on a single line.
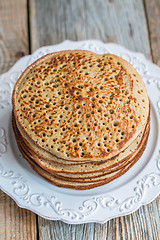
[(79, 106), (90, 167), (41, 154), (80, 119), (92, 178), (75, 185)]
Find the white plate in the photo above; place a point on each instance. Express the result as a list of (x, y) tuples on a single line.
[(140, 185)]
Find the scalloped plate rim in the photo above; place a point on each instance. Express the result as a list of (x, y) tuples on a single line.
[(25, 58)]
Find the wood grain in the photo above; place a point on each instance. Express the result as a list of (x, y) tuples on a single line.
[(153, 15), (13, 32), (120, 21), (15, 223)]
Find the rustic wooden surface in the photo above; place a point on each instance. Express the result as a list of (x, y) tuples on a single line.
[(153, 18), (15, 223), (27, 25)]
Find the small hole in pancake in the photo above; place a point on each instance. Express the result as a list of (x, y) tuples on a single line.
[(93, 99), (87, 115), (93, 105), (99, 110), (37, 101), (90, 90), (77, 106), (47, 106), (131, 117), (115, 124), (111, 111)]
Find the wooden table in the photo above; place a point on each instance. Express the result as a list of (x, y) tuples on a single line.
[(28, 25)]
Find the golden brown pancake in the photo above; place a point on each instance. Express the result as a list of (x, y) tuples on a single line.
[(85, 168), (81, 119), (78, 105)]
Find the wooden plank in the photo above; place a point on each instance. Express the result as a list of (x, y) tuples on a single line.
[(153, 15), (143, 224), (13, 32), (121, 21), (15, 223)]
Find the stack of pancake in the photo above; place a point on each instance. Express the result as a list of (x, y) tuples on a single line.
[(80, 119)]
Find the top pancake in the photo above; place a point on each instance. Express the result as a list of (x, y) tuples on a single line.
[(78, 105)]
